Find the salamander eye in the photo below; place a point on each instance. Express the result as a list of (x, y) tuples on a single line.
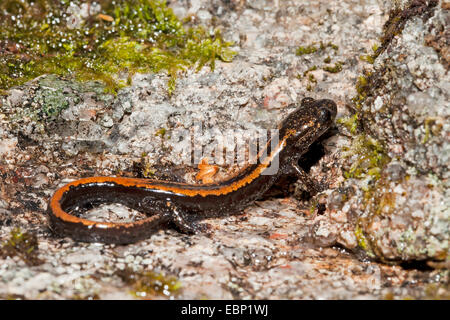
[(324, 115)]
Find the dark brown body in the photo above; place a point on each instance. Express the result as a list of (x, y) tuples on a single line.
[(182, 204)]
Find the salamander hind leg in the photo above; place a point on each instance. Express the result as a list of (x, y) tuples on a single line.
[(183, 222)]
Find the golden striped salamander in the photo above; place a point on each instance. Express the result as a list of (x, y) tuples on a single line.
[(183, 204)]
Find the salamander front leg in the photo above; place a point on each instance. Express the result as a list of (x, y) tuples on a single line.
[(312, 186)]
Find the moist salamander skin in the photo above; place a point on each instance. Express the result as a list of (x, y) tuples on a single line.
[(183, 204)]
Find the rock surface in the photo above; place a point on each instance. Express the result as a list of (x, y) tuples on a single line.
[(385, 164), (402, 201)]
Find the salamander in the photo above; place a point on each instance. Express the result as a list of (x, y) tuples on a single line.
[(182, 204)]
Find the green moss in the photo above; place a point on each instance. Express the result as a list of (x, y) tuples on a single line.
[(334, 69), (311, 82), (361, 85), (313, 68), (313, 49), (427, 133), (370, 58), (21, 244), (311, 79), (137, 36), (367, 58), (161, 132), (305, 50), (313, 206), (375, 48), (147, 170), (362, 89), (331, 45), (363, 243), (370, 158), (351, 122), (144, 167), (148, 284)]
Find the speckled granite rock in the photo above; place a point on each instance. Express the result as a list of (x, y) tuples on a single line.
[(55, 130), (401, 205)]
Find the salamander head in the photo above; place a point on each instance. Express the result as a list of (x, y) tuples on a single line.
[(308, 122)]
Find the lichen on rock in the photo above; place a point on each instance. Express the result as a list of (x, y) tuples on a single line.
[(404, 104)]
